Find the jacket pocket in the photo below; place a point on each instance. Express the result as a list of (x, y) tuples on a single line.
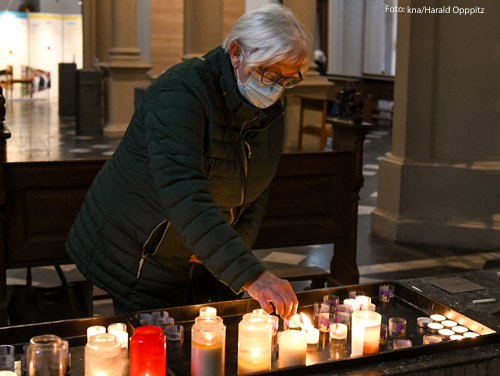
[(153, 242)]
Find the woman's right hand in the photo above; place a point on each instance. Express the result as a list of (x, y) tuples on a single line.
[(266, 288)]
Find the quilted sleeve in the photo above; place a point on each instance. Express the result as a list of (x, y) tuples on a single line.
[(175, 136)]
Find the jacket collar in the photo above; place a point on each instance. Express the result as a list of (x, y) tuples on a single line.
[(239, 107)]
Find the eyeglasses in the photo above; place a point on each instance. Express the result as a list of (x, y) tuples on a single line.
[(271, 78)]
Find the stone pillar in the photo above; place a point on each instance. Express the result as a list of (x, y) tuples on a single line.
[(441, 184), (203, 26), (97, 38), (313, 84), (125, 69)]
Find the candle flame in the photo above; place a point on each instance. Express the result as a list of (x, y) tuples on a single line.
[(305, 320), (255, 352)]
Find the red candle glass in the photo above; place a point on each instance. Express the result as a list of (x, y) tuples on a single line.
[(148, 352)]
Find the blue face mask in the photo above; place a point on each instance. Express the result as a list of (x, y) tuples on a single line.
[(258, 94)]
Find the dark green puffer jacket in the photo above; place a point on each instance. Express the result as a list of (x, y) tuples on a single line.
[(167, 191)]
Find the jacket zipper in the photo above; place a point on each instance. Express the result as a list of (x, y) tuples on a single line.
[(145, 254)]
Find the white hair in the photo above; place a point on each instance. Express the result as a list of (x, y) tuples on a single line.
[(269, 35)]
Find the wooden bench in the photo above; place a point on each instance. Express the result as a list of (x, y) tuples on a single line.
[(313, 200)]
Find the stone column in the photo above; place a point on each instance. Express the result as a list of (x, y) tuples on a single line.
[(203, 26), (441, 184), (314, 84), (124, 67), (97, 38)]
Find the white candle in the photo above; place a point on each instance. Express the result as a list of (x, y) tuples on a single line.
[(459, 329), (448, 323), (208, 344), (352, 303), (119, 330), (365, 333), (338, 333), (434, 327), (7, 373), (103, 356), (456, 337), (446, 334), (254, 344), (363, 302), (208, 311), (438, 318), (292, 348), (471, 335), (94, 330)]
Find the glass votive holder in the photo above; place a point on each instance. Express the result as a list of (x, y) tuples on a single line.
[(352, 303), (159, 318), (144, 319), (324, 320), (274, 321), (316, 311), (429, 339), (103, 356), (169, 321), (255, 343), (293, 323), (470, 335), (208, 344), (292, 348), (338, 333), (459, 329), (174, 335), (354, 293), (401, 343), (312, 338), (324, 308), (371, 307), (446, 334), (67, 355), (119, 330), (148, 352), (344, 308), (438, 318), (332, 301), (448, 324), (456, 337), (342, 318), (385, 293), (45, 356), (397, 327), (363, 301), (434, 327), (7, 360), (208, 311), (94, 330), (422, 322), (383, 334)]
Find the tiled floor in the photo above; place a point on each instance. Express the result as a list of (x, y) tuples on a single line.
[(38, 133)]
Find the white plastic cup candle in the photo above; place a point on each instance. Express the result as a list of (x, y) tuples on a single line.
[(344, 308), (470, 335), (459, 329), (429, 339), (208, 346), (342, 318), (338, 333), (434, 327), (365, 332), (293, 348), (397, 327), (103, 356), (255, 344), (363, 302), (159, 318), (370, 307), (332, 301), (174, 335), (208, 311), (352, 303), (94, 330), (354, 293), (119, 330), (144, 319)]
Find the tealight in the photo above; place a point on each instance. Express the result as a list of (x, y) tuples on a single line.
[(438, 318), (312, 338), (446, 334), (448, 323), (456, 337), (429, 339), (471, 335), (460, 329), (338, 333), (401, 343), (363, 301), (259, 311), (354, 293), (352, 303), (434, 327), (423, 321)]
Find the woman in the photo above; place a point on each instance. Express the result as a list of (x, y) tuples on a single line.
[(172, 216)]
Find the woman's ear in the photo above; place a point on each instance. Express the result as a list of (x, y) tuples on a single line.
[(235, 54)]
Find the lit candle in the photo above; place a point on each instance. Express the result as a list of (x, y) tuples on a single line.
[(363, 302), (434, 327), (446, 334), (456, 337), (119, 330), (148, 352), (294, 322), (208, 311), (352, 303), (103, 356), (338, 333), (459, 329), (431, 338), (254, 344), (94, 330), (448, 324), (438, 318), (293, 348), (471, 335), (260, 311), (365, 332), (354, 293), (208, 344), (311, 333), (274, 321)]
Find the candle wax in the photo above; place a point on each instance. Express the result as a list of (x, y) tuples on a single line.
[(207, 360)]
